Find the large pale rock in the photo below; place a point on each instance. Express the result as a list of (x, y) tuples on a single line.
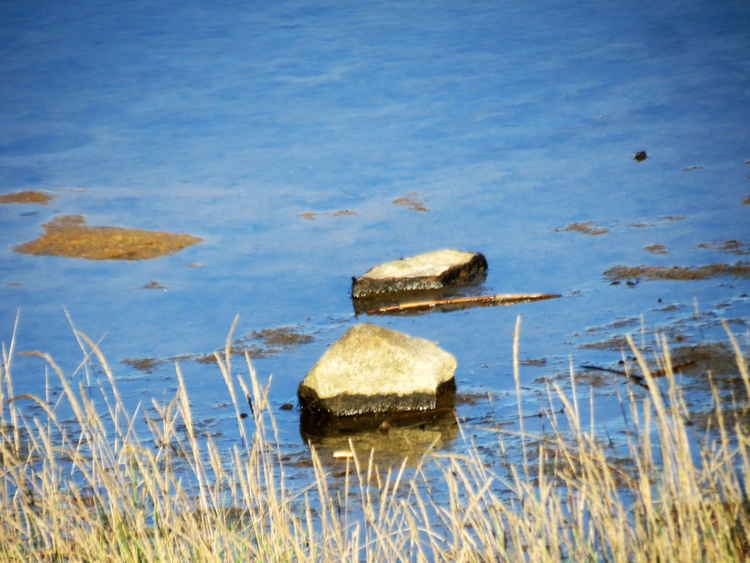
[(431, 270), (372, 369)]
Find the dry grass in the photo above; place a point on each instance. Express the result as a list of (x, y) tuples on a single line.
[(100, 494)]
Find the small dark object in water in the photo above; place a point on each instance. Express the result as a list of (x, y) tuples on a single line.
[(385, 427), (250, 404), (287, 407), (640, 156), (243, 415)]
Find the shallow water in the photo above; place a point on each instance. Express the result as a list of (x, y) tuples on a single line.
[(502, 123)]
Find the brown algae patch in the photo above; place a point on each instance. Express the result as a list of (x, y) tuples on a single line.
[(614, 343), (68, 236), (681, 273), (587, 228), (656, 249), (619, 323), (731, 246), (534, 362), (264, 343), (657, 222), (718, 358), (696, 361), (670, 308), (706, 363), (144, 364), (284, 337), (27, 197), (413, 201), (585, 376), (149, 365), (341, 212)]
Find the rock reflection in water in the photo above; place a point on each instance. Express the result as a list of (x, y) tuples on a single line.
[(378, 301), (392, 436)]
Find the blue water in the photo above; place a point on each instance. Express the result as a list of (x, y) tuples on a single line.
[(228, 120)]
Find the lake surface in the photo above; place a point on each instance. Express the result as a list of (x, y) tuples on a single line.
[(282, 134)]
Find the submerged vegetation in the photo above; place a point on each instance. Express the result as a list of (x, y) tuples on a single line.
[(651, 273), (70, 237), (587, 228), (27, 197), (91, 488)]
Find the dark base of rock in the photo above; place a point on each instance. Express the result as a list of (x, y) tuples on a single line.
[(366, 287), (316, 425), (353, 404), (380, 300)]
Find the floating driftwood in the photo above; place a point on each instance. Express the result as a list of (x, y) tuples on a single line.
[(500, 299)]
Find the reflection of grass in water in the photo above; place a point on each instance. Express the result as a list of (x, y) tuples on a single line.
[(101, 494)]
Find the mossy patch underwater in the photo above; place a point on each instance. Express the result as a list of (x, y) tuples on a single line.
[(69, 237)]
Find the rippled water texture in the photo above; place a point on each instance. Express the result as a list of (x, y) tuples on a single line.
[(306, 142)]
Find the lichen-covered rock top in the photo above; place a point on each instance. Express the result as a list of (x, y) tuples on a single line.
[(374, 369), (428, 264), (431, 270)]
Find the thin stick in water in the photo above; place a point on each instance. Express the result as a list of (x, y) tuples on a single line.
[(478, 299)]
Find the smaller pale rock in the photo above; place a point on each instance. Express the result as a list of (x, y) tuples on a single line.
[(372, 369), (431, 270)]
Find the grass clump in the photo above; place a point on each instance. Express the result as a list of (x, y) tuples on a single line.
[(92, 489)]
